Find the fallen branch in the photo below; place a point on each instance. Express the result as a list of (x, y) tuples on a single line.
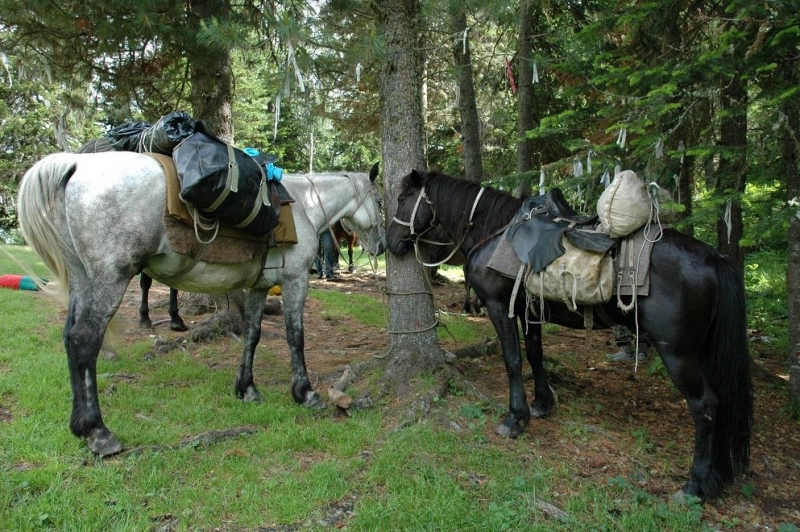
[(487, 348), (204, 439)]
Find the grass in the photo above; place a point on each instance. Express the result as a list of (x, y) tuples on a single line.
[(293, 470)]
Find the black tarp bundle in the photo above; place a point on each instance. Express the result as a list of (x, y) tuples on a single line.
[(161, 137), (225, 183)]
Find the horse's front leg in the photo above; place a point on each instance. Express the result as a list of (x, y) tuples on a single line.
[(294, 292), (544, 401), (83, 336), (519, 415), (244, 386), (350, 266)]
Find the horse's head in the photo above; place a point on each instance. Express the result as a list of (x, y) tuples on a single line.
[(414, 216), (367, 218)]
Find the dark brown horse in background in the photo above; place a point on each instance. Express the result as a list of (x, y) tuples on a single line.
[(341, 235)]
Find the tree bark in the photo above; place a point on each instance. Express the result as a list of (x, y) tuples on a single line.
[(467, 107), (413, 345), (790, 150), (732, 171), (211, 72), (525, 117)]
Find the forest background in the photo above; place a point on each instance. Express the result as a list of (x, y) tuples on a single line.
[(700, 97)]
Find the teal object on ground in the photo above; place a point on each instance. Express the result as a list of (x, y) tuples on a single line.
[(27, 283)]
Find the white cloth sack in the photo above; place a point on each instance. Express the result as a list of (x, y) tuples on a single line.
[(624, 206)]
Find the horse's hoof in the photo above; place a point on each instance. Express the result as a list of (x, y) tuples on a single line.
[(145, 324), (314, 401), (251, 395), (538, 412), (178, 327), (508, 432), (502, 430), (685, 495), (538, 408), (103, 443)]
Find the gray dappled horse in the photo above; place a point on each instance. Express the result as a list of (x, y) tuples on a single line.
[(96, 220), (695, 317)]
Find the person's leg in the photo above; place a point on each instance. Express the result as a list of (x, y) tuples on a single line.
[(326, 240), (318, 261), (624, 339)]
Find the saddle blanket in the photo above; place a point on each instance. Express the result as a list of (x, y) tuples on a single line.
[(231, 245)]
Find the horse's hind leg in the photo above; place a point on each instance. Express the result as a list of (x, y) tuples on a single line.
[(175, 321), (244, 386), (87, 320), (145, 282), (687, 376)]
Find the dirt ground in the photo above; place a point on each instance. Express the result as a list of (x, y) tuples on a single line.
[(627, 403)]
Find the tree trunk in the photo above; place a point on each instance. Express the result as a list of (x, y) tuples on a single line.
[(468, 109), (211, 72), (732, 170), (685, 187), (413, 345), (525, 120), (791, 159)]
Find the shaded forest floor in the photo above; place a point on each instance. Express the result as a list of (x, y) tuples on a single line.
[(639, 425)]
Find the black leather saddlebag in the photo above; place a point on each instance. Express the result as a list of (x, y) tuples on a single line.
[(225, 183)]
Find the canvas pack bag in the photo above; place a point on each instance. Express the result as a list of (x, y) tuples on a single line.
[(225, 183), (624, 206), (578, 277)]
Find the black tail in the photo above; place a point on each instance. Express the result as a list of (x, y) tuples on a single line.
[(728, 373)]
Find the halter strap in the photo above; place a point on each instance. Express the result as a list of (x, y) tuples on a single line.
[(410, 225)]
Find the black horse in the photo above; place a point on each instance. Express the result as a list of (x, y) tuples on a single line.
[(176, 323), (694, 315)]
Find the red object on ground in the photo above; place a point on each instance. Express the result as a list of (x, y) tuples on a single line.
[(17, 282)]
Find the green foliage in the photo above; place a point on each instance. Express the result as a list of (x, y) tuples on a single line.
[(765, 282)]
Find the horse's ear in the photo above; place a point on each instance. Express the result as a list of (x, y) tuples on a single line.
[(373, 173), (415, 178)]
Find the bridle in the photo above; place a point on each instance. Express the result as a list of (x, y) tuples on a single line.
[(416, 238), (375, 224)]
